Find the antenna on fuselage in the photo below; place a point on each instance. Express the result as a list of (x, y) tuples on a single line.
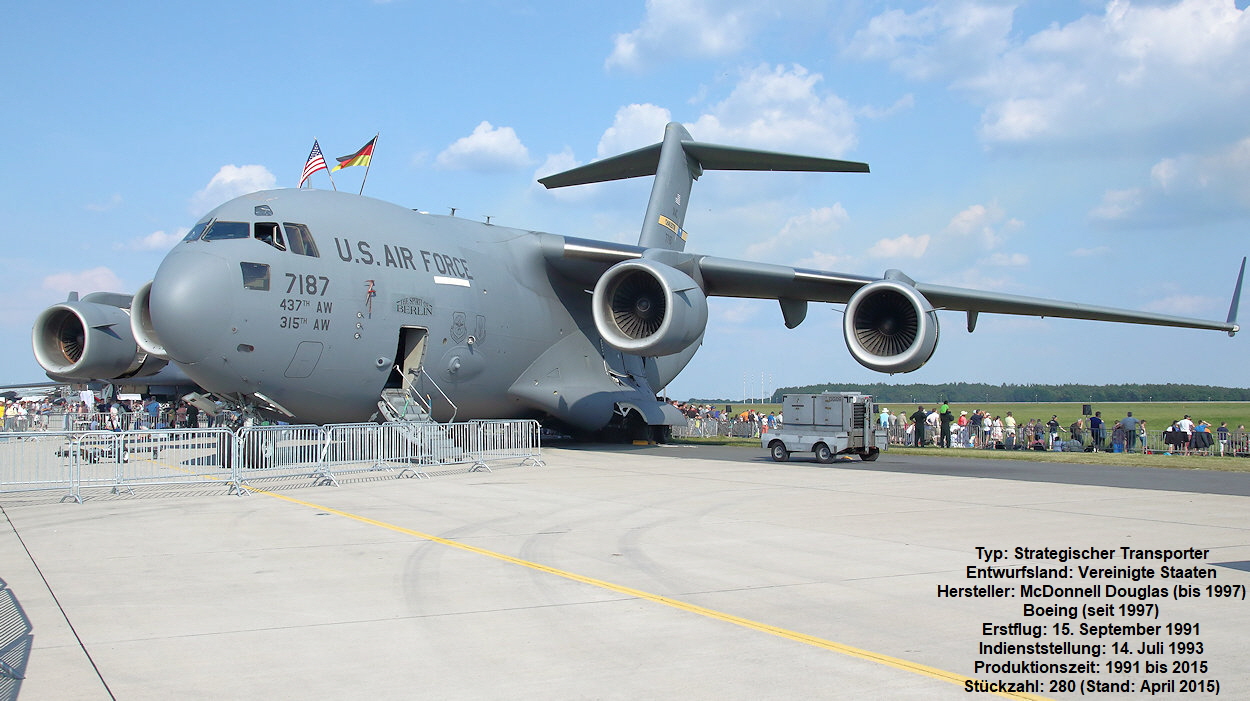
[(453, 211)]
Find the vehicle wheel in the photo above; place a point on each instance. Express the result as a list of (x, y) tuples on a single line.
[(778, 451), (870, 454), (823, 454)]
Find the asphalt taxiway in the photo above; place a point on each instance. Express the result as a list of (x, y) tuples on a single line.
[(610, 573)]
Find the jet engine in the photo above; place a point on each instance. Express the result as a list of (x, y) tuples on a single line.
[(890, 327), (90, 340), (141, 326), (646, 308)]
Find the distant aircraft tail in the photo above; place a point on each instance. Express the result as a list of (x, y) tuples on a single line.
[(676, 163)]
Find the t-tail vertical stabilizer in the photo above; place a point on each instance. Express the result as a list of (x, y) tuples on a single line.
[(676, 163)]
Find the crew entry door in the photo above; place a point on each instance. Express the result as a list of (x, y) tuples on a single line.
[(411, 355)]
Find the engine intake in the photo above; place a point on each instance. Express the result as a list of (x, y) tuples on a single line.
[(890, 327), (89, 341), (646, 308)]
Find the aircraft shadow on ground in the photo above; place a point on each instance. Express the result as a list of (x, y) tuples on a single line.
[(16, 639)]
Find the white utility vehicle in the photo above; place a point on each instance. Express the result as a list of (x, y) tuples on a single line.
[(828, 424)]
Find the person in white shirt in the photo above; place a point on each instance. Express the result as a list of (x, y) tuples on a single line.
[(1187, 425)]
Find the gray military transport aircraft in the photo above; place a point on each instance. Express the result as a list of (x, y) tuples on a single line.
[(320, 306)]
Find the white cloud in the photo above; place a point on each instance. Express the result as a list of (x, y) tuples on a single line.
[(1189, 187), (487, 149), (701, 28), (782, 109), (938, 40), (905, 246), (806, 233), (113, 202), (100, 279), (821, 261), (230, 182), (1007, 260), (1101, 81), (633, 127), (723, 310), (155, 241), (987, 225), (1094, 252), (775, 108), (1185, 305), (1136, 69), (1117, 204), (903, 104)]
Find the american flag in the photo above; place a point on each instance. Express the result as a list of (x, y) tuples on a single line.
[(315, 163)]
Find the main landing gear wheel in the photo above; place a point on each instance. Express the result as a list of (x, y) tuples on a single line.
[(823, 454), (778, 451)]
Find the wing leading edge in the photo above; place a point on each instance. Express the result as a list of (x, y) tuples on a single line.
[(727, 277)]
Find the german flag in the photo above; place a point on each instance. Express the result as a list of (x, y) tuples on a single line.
[(360, 158)]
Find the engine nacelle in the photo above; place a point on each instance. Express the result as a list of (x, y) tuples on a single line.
[(141, 326), (647, 308), (890, 327), (89, 341)]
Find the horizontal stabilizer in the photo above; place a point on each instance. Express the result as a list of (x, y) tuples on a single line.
[(644, 162), (714, 157), (635, 164)]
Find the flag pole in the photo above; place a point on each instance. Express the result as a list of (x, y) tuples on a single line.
[(331, 177), (370, 163)]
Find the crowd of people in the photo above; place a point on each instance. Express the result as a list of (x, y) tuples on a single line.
[(46, 414), (938, 426), (706, 420)]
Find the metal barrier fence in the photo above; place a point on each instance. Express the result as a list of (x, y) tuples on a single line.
[(713, 428), (74, 461), (94, 421), (43, 461)]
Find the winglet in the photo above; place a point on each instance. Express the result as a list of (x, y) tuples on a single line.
[(1232, 307)]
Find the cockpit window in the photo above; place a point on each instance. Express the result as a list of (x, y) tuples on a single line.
[(269, 233), (196, 231), (300, 240), (220, 230)]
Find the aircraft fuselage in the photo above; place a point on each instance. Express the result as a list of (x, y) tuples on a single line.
[(321, 335)]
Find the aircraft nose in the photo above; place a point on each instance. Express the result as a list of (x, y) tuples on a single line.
[(191, 301)]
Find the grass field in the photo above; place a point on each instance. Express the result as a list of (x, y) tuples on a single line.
[(1158, 416)]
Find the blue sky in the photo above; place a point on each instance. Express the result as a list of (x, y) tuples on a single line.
[(1087, 151)]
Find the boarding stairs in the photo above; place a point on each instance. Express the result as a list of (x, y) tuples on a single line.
[(410, 414), (402, 406)]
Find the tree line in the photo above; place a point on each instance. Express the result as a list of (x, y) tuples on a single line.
[(965, 392)]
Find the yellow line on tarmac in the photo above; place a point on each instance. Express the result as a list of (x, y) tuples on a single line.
[(812, 640)]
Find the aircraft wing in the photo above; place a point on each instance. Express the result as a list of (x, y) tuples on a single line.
[(727, 277), (735, 278)]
